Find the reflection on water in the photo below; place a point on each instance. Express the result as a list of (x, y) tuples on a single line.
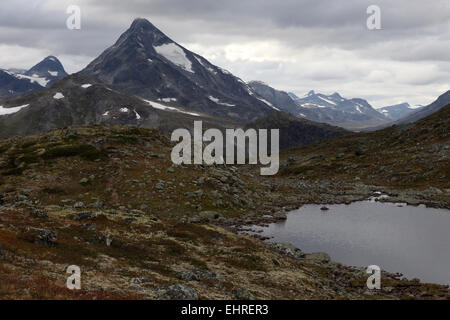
[(412, 240)]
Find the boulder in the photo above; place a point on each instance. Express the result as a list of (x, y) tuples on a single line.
[(242, 294), (197, 275), (318, 257), (289, 250), (177, 292), (41, 236)]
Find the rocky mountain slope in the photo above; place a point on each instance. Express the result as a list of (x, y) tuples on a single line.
[(398, 111), (42, 75), (413, 156), (50, 69), (110, 201), (352, 114), (83, 100), (296, 132), (145, 62), (278, 98), (437, 105)]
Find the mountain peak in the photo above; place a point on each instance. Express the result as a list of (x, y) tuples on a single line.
[(139, 23), (336, 95), (311, 93), (143, 26), (50, 66), (147, 63)]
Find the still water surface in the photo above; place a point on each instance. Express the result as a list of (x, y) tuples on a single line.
[(411, 240)]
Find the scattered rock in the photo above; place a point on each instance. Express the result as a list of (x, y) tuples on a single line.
[(242, 294), (198, 275), (276, 262), (287, 249), (209, 216), (318, 257), (39, 213), (84, 181), (177, 292), (140, 280), (129, 220), (26, 192), (41, 236), (84, 216), (280, 215), (78, 205)]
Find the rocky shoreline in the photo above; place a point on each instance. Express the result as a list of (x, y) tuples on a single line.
[(111, 201)]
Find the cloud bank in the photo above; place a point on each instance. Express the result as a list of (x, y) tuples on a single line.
[(294, 45)]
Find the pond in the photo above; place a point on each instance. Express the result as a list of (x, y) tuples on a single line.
[(396, 237)]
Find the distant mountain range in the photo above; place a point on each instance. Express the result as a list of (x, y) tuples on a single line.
[(297, 132), (398, 111), (353, 114), (146, 63), (408, 156), (82, 100), (442, 101), (146, 79), (41, 76)]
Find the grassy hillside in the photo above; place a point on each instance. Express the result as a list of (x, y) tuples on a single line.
[(110, 201), (408, 156)]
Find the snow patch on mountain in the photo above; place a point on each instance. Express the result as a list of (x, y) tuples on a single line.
[(5, 111), (33, 79), (159, 106), (268, 103), (205, 65), (327, 100), (167, 100), (217, 101), (176, 55), (58, 96)]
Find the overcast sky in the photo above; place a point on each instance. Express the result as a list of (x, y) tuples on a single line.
[(293, 45)]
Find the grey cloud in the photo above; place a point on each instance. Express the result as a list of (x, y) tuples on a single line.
[(414, 32)]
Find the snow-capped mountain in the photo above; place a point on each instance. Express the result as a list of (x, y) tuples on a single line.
[(146, 63), (42, 75), (82, 100), (353, 114), (13, 84), (49, 69), (398, 111)]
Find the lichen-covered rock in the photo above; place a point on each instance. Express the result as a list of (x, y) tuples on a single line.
[(198, 275), (177, 292), (287, 249), (84, 216), (242, 294), (318, 257), (41, 236)]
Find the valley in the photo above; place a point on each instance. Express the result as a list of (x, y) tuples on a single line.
[(87, 178)]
